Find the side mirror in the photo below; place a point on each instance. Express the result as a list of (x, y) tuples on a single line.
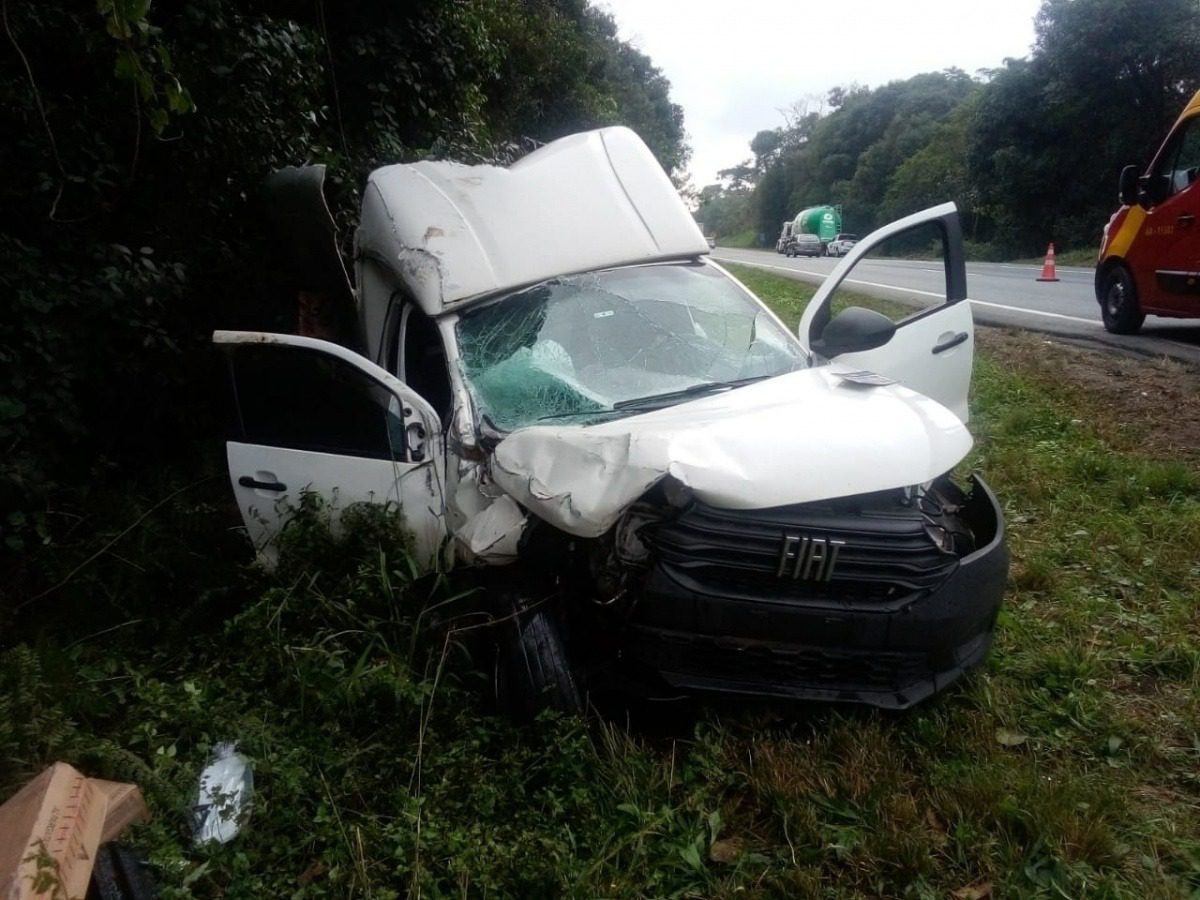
[(1153, 190), (853, 330), (1127, 187)]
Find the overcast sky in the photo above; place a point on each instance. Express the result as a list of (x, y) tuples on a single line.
[(734, 64)]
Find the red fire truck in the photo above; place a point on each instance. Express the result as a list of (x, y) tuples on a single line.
[(1150, 255)]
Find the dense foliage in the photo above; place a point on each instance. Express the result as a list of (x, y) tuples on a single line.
[(135, 141), (1030, 151)]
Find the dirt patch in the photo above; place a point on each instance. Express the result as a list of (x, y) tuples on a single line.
[(1148, 405)]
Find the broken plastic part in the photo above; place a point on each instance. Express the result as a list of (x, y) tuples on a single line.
[(493, 535), (486, 522), (223, 798), (865, 378)]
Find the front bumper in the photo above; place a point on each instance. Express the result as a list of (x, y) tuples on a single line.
[(884, 652)]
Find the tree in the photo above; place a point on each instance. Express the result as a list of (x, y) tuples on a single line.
[(562, 69), (937, 172), (850, 156), (740, 177), (722, 211), (766, 146), (137, 137), (1051, 133), (839, 94), (1030, 150)]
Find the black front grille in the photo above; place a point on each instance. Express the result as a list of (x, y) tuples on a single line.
[(788, 669), (885, 552)]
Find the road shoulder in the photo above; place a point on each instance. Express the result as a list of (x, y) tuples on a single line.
[(1147, 404)]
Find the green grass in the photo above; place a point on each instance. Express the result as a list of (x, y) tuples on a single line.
[(784, 295), (1069, 766), (746, 238), (788, 297)]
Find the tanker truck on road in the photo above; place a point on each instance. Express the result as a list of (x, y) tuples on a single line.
[(823, 221)]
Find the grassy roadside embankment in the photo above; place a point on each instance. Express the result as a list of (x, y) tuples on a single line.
[(1067, 767), (747, 239), (1082, 257)]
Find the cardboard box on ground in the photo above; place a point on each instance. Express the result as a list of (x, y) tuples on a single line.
[(51, 829)]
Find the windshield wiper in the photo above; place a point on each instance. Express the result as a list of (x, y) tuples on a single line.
[(577, 413), (695, 390)]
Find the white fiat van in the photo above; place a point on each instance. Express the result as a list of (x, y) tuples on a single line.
[(649, 469)]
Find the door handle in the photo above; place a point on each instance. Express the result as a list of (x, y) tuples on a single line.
[(247, 481), (950, 342), (1186, 219)]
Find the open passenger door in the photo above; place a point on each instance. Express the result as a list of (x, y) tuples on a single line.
[(312, 416), (930, 349)]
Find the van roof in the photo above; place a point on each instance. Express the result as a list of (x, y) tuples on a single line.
[(454, 233)]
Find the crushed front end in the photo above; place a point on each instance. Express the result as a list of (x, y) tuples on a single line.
[(883, 599)]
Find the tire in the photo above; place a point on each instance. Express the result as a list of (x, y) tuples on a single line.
[(1119, 307), (533, 672)]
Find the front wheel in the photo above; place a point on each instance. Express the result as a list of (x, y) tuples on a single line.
[(533, 671), (1119, 306)]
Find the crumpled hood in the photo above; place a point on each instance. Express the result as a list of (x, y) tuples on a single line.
[(800, 437)]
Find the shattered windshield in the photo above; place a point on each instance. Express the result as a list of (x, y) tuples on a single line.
[(592, 346)]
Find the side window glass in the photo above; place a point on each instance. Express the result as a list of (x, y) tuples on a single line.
[(424, 365), (308, 400), (901, 277), (1181, 163)]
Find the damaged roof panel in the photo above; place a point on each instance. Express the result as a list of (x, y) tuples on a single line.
[(454, 232)]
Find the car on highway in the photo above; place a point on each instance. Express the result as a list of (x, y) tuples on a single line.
[(841, 244), (804, 245), (650, 476), (1150, 254), (785, 235)]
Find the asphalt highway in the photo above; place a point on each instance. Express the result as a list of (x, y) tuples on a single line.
[(1001, 294)]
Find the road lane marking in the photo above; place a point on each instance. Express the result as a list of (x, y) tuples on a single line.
[(975, 266), (1036, 312), (908, 290), (1015, 309)]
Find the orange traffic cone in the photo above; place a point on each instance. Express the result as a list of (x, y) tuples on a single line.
[(1048, 266)]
